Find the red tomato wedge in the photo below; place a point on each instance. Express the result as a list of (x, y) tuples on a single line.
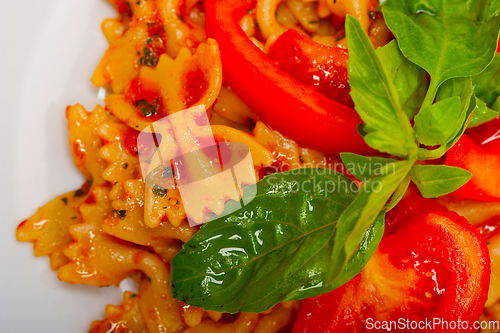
[(487, 135), (484, 166), (312, 64), (430, 274)]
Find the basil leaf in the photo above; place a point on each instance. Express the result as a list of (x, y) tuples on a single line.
[(409, 79), (437, 123), (461, 87), (448, 38), (276, 248), (483, 114), (398, 195), (456, 87), (436, 180), (487, 84), (359, 217), (363, 167), (487, 90), (375, 96)]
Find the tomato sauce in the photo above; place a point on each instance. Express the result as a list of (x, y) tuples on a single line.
[(195, 87)]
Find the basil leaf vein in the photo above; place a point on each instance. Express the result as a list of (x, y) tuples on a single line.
[(436, 180), (447, 38), (375, 96)]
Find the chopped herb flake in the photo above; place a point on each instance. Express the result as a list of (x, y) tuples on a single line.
[(148, 109), (180, 17), (148, 59), (79, 193), (258, 27), (167, 172), (159, 191), (65, 200), (129, 8), (125, 165), (121, 213)]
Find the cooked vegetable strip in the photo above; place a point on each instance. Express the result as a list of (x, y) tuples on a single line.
[(293, 109)]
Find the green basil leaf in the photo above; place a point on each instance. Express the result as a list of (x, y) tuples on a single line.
[(483, 114), (376, 97), (438, 122), (487, 90), (448, 38), (456, 87), (461, 87), (398, 195), (363, 167), (276, 248), (409, 79), (436, 180), (359, 217), (487, 84), (493, 9)]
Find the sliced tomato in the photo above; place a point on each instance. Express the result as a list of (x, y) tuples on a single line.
[(312, 64), (484, 166), (487, 135), (432, 270), (413, 204)]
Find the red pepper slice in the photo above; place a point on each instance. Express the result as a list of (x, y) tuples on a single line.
[(297, 111), (312, 64), (433, 269), (484, 166)]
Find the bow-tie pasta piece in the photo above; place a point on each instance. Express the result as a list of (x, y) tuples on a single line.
[(131, 227), (159, 310), (126, 317), (119, 151), (48, 228), (145, 31), (85, 142), (174, 85)]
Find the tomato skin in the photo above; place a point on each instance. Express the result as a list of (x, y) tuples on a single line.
[(487, 135), (312, 64), (484, 166), (395, 287), (295, 110), (411, 205)]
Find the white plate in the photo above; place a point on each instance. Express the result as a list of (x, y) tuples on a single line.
[(49, 50)]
